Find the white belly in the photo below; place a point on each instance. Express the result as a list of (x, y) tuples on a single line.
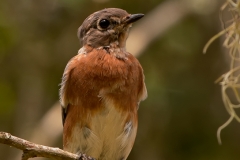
[(110, 136)]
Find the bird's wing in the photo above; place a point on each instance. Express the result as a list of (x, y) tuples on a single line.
[(142, 93), (64, 100), (64, 85), (64, 114)]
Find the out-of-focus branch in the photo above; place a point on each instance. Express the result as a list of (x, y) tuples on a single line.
[(154, 24), (51, 124), (48, 130), (31, 150), (161, 19)]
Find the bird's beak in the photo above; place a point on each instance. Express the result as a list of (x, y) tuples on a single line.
[(133, 18)]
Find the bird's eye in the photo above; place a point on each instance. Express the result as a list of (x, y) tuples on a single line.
[(104, 23)]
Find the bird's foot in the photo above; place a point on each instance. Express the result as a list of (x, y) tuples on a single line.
[(85, 157)]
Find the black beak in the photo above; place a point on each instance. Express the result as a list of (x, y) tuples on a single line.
[(133, 18)]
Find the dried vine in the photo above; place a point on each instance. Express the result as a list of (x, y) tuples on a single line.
[(230, 81)]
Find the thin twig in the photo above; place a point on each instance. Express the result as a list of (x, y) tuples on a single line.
[(31, 150)]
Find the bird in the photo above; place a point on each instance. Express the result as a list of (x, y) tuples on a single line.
[(101, 88)]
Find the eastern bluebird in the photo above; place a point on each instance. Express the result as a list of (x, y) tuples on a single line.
[(101, 88)]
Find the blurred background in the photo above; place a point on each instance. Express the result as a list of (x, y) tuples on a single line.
[(184, 109)]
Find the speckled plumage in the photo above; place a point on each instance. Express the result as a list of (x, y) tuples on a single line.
[(101, 89)]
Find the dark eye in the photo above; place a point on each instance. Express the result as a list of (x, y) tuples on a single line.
[(104, 23)]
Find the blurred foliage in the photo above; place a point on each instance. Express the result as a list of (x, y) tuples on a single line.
[(179, 119)]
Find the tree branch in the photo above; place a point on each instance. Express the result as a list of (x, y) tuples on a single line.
[(31, 150)]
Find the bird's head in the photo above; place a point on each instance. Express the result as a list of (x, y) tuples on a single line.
[(107, 26)]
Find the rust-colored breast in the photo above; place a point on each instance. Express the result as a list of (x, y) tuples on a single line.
[(92, 77)]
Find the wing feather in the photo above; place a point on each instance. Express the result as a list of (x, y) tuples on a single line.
[(64, 101)]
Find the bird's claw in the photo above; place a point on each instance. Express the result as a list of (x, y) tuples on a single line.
[(85, 157)]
